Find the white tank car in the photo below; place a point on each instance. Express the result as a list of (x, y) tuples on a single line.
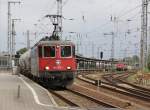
[(25, 61)]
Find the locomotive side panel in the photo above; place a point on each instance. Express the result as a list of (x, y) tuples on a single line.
[(34, 62)]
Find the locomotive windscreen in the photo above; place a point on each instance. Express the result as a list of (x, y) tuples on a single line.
[(65, 51), (49, 51)]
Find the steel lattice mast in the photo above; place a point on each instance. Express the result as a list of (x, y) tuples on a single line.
[(13, 34), (144, 17), (9, 31), (9, 46)]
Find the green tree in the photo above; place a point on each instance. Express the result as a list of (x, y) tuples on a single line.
[(135, 60), (22, 51), (148, 61), (128, 60)]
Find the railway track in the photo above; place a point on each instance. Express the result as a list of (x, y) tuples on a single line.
[(131, 102), (113, 78), (134, 96), (90, 93), (78, 99), (129, 87), (135, 86), (124, 89), (62, 97), (100, 102)]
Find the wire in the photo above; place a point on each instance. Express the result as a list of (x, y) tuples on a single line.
[(65, 3), (129, 11), (101, 26), (51, 8), (122, 14), (134, 16)]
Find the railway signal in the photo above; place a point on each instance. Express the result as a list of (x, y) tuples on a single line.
[(101, 55), (17, 55)]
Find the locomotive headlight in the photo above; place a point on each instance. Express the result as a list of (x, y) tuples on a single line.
[(47, 68), (68, 68), (57, 46)]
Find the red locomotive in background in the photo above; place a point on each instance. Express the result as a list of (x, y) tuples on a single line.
[(52, 62), (121, 67)]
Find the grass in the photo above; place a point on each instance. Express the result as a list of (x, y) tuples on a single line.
[(132, 78), (146, 70)]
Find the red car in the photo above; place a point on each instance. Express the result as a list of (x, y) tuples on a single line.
[(52, 62)]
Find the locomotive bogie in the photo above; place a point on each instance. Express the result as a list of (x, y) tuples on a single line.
[(58, 78)]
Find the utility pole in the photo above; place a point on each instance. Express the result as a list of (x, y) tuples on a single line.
[(112, 47), (125, 54), (8, 33), (57, 21), (28, 39), (144, 18), (77, 51), (149, 41), (92, 49), (112, 44), (98, 52)]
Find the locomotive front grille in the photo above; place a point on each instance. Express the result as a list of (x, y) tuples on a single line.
[(57, 75)]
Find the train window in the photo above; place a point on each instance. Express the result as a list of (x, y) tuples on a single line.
[(49, 51), (65, 51), (40, 51)]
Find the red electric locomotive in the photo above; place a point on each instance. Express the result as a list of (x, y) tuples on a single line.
[(121, 67), (52, 62)]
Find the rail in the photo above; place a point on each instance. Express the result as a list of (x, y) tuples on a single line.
[(124, 90)]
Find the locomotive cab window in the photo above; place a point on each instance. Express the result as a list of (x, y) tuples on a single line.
[(40, 52), (49, 51), (65, 51)]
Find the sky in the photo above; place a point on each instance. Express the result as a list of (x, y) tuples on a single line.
[(91, 19)]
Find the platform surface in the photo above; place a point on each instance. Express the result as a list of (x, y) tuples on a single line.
[(32, 96)]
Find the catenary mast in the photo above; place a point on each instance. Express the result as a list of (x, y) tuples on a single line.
[(143, 52)]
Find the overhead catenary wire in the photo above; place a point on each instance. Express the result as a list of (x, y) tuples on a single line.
[(120, 16), (42, 18), (64, 3), (129, 11)]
